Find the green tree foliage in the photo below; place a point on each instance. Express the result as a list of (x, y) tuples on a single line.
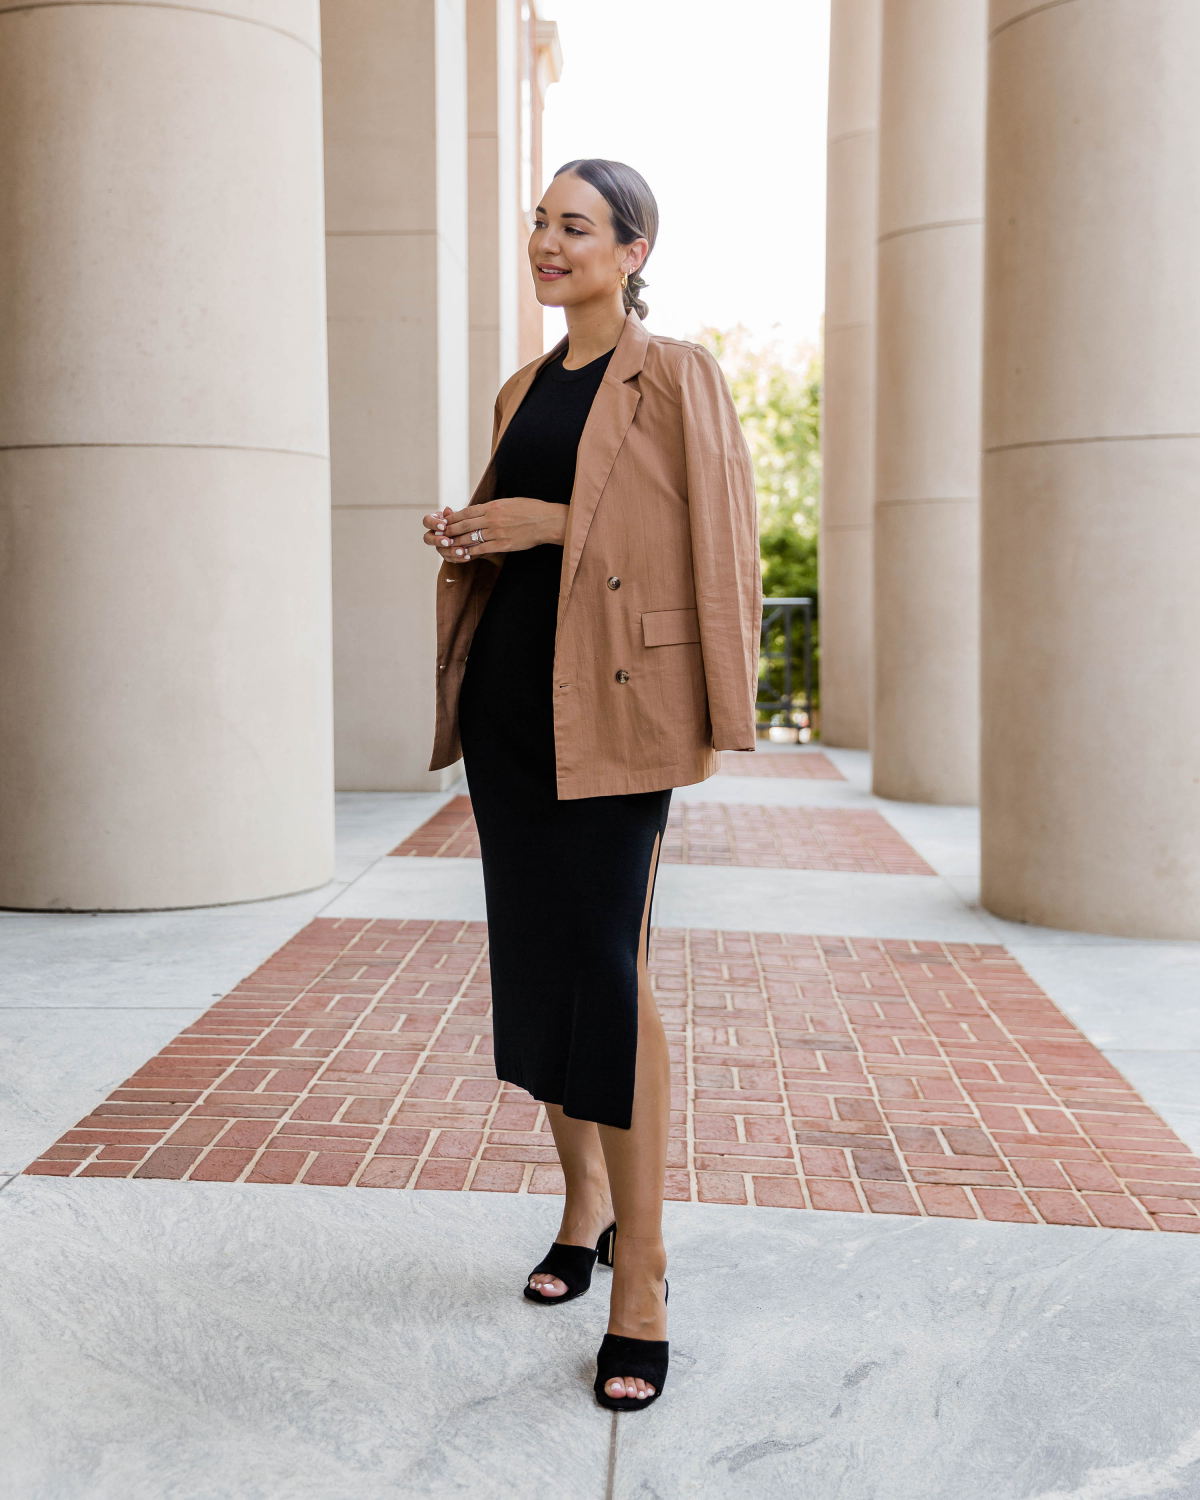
[(778, 402)]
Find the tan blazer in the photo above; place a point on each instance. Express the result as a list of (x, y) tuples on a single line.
[(660, 601)]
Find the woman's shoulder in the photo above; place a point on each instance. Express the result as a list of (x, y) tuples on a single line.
[(678, 363), (672, 353)]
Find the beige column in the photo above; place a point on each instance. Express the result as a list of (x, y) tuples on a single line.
[(1091, 476), (492, 212), (925, 729), (848, 394), (396, 194), (164, 546)]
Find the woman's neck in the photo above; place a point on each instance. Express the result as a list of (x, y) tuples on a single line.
[(592, 331)]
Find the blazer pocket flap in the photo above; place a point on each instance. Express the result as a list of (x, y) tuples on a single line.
[(670, 627)]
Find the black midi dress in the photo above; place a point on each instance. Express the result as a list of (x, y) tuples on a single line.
[(566, 882)]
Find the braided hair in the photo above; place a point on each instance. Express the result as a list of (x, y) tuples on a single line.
[(632, 208)]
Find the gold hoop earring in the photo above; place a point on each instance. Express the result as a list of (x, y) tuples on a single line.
[(624, 280)]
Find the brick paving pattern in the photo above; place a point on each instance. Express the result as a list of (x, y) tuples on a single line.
[(865, 1076), (808, 765), (720, 833), (787, 838), (449, 834)]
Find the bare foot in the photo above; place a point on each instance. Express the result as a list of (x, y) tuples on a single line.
[(638, 1305), (582, 1224)]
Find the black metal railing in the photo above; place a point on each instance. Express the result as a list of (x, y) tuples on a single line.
[(781, 660)]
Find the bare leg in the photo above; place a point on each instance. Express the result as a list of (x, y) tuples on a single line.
[(588, 1207), (637, 1164)]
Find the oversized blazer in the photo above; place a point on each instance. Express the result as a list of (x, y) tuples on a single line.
[(660, 598)]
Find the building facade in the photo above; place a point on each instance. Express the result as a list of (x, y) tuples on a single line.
[(261, 270)]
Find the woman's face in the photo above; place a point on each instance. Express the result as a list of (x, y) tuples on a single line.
[(573, 251)]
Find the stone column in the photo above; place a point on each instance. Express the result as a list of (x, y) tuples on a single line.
[(925, 731), (1091, 476), (164, 501), (396, 191), (848, 396), (493, 214)]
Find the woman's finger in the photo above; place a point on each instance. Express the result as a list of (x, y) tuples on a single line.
[(452, 546), (471, 513), (476, 549), (465, 528)]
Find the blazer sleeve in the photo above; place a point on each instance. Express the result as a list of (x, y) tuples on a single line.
[(723, 510)]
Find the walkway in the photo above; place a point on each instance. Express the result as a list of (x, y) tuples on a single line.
[(907, 1179)]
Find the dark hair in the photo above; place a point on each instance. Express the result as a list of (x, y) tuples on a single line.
[(632, 208)]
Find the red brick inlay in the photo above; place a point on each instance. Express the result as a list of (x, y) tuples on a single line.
[(788, 838), (828, 1073), (809, 765), (449, 834), (726, 833)]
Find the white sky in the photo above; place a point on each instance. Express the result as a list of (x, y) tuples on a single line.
[(720, 104)]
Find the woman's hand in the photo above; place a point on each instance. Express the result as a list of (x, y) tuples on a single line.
[(510, 525)]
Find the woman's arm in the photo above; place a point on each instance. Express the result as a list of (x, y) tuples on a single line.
[(723, 512)]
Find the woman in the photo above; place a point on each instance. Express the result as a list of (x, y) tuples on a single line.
[(604, 580)]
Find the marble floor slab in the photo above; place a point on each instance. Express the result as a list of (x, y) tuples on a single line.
[(855, 765), (369, 824), (257, 1344), (774, 791), (55, 1064), (136, 960), (222, 1342), (1138, 1002), (807, 901), (415, 887), (1170, 1083), (1127, 995), (815, 901), (921, 1361)]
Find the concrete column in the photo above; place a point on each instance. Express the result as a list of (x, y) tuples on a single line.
[(925, 732), (164, 543), (848, 395), (493, 213), (396, 191), (1091, 475)]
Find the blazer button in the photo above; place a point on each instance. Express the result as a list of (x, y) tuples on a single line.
[(622, 676), (614, 583)]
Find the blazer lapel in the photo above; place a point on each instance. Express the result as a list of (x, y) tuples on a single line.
[(608, 421)]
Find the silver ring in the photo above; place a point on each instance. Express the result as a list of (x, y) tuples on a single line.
[(477, 536)]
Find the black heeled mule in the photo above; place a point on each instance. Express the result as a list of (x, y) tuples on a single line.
[(644, 1359), (572, 1264)]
